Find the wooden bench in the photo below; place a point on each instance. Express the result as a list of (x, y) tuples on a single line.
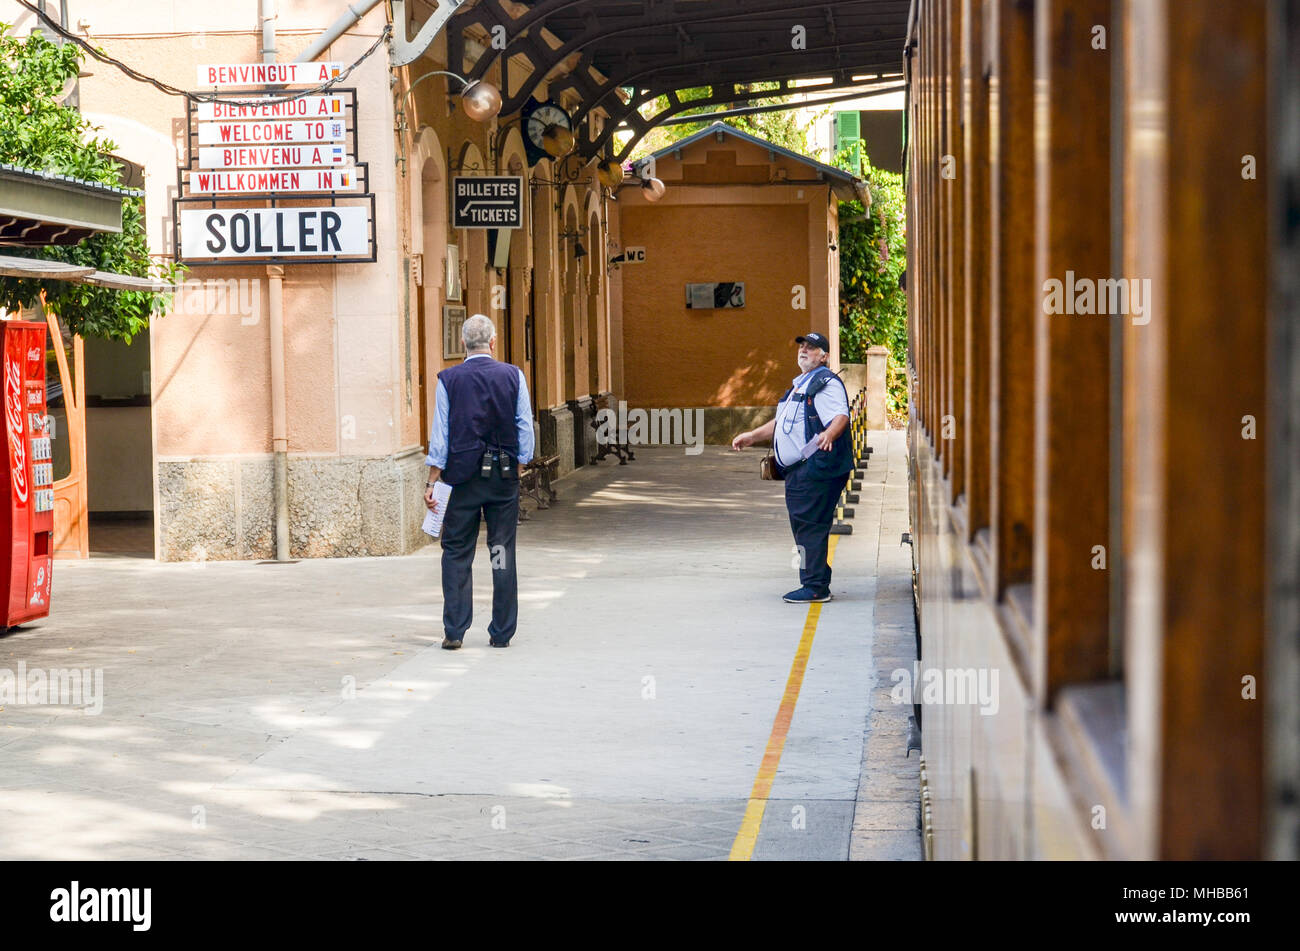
[(535, 482), (612, 448)]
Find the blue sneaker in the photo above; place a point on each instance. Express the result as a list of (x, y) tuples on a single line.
[(806, 596)]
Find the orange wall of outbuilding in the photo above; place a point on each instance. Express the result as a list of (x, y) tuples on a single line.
[(675, 356), (733, 211)]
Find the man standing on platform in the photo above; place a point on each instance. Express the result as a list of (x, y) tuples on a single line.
[(482, 433), (811, 443)]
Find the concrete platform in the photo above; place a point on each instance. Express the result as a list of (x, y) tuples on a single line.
[(305, 710)]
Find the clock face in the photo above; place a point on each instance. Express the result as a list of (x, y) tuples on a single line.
[(545, 115)]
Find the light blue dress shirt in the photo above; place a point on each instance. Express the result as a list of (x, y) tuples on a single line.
[(830, 402), (438, 437)]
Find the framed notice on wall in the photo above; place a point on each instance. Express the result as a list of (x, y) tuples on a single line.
[(453, 318), (717, 296)]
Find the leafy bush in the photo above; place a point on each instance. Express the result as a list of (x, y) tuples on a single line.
[(39, 133), (873, 254)]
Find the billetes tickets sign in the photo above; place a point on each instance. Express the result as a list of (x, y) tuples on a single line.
[(487, 201), (250, 133), (267, 74), (304, 107)]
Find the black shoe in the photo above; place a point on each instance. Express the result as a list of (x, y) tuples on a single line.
[(806, 595), (449, 645), (498, 643)]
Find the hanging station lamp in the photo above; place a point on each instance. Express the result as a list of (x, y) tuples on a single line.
[(610, 173), (480, 99), (652, 189), (558, 141)]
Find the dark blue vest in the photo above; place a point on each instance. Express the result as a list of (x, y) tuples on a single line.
[(481, 398), (822, 465)]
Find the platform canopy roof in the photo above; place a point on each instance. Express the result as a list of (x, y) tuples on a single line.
[(38, 209), (620, 54), (845, 186)]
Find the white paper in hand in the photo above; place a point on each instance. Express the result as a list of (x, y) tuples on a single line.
[(809, 448), (433, 520)]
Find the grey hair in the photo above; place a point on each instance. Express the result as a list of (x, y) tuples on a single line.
[(477, 332)]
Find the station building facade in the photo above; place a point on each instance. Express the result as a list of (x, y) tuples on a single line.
[(182, 432), (363, 342)]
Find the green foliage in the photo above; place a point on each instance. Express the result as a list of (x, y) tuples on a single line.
[(39, 133), (780, 127), (873, 254)]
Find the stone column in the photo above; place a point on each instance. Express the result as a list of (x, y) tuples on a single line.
[(877, 384)]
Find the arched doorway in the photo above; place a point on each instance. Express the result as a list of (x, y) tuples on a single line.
[(545, 336), (597, 344), (570, 303), (518, 330), (473, 244), (429, 247)]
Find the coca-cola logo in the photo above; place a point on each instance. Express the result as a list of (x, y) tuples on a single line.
[(14, 416)]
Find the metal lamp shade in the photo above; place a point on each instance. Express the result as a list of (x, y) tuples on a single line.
[(652, 189), (481, 100), (610, 173), (557, 141)]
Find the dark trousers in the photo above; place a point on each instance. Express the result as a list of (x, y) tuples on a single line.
[(498, 500), (811, 506)]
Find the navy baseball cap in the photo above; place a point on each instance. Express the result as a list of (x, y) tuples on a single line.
[(815, 340)]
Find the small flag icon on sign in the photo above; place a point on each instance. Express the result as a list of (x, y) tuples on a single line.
[(336, 153)]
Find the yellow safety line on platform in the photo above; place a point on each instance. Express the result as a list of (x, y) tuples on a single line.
[(742, 850)]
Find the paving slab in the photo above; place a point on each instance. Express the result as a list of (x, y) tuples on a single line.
[(306, 711)]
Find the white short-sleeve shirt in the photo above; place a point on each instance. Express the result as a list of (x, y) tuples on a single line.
[(788, 439)]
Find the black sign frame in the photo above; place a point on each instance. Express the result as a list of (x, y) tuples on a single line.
[(281, 199), (460, 204)]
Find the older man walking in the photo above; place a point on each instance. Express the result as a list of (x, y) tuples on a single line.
[(482, 433), (814, 456)]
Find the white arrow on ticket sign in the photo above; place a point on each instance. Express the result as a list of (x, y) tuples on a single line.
[(267, 74), (304, 107), (275, 180), (322, 231), (272, 156), (251, 133)]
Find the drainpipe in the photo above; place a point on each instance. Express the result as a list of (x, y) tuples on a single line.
[(279, 434), (354, 12), (268, 31), (275, 304)]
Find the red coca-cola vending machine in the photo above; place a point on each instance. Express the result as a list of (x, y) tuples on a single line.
[(27, 506)]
